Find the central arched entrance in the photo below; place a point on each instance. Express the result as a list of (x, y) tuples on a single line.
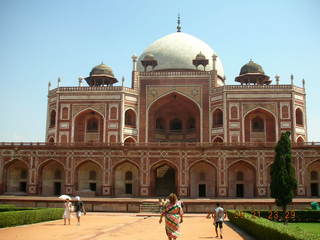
[(174, 118), (164, 180)]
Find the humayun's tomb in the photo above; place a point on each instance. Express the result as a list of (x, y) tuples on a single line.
[(178, 128)]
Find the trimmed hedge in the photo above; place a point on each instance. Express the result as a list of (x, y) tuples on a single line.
[(14, 218), (8, 208), (292, 215), (264, 229)]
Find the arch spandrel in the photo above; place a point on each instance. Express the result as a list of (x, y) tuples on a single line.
[(77, 109), (155, 93), (249, 107)]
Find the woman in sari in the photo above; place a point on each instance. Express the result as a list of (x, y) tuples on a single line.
[(173, 214)]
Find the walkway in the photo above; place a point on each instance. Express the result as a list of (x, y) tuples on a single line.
[(117, 226)]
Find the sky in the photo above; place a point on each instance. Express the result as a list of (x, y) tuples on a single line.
[(41, 40)]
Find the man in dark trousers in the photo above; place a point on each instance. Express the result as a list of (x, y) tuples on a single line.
[(218, 216), (79, 209)]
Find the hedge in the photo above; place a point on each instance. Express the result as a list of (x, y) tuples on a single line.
[(9, 207), (14, 218), (264, 229), (292, 215)]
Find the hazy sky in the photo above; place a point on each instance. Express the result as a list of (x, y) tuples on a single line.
[(43, 40)]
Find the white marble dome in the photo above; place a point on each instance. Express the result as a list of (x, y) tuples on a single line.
[(177, 50)]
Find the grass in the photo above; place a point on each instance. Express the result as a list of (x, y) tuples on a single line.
[(307, 227)]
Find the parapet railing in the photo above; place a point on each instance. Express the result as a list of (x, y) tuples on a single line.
[(93, 89), (174, 73), (238, 87), (153, 144)]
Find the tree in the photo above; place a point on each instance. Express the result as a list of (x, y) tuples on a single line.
[(283, 181)]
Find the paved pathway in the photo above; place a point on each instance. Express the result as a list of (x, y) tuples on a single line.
[(95, 226)]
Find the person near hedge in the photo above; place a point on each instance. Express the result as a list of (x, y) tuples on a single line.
[(67, 211), (173, 214), (218, 215), (79, 208)]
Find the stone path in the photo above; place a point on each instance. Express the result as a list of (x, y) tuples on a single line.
[(95, 226)]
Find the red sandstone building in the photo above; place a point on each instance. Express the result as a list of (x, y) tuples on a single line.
[(179, 128)]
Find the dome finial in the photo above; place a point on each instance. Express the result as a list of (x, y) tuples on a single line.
[(178, 27)]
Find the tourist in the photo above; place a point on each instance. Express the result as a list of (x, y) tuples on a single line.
[(67, 211), (218, 216), (180, 202), (173, 214), (79, 209)]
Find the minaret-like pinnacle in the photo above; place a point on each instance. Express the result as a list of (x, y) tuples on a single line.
[(178, 27)]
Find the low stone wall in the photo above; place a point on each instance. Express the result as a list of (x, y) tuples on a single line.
[(133, 204)]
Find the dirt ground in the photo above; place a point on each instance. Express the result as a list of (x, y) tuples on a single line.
[(118, 226)]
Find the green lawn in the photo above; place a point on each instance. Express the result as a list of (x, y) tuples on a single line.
[(308, 227)]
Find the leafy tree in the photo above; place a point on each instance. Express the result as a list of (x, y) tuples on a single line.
[(283, 181)]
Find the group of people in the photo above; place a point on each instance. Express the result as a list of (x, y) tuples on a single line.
[(68, 208), (172, 211)]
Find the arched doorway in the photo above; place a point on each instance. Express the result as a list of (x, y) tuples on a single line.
[(88, 127), (52, 178), (174, 118), (16, 178), (126, 180), (164, 180), (202, 180), (259, 126), (241, 180), (88, 179), (313, 179)]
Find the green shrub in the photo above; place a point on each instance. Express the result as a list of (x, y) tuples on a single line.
[(14, 218), (264, 229)]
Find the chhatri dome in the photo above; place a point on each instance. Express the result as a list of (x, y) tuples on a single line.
[(177, 51)]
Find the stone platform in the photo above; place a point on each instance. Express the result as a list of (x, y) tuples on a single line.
[(102, 204)]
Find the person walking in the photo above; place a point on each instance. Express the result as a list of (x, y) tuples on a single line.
[(173, 214), (67, 211), (218, 216), (79, 209)]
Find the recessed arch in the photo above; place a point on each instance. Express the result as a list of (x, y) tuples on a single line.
[(82, 131), (16, 176), (164, 178), (312, 179), (217, 139), (300, 139), (84, 185), (49, 182), (129, 140), (202, 179), (299, 116), (123, 186), (270, 131), (169, 119), (245, 188)]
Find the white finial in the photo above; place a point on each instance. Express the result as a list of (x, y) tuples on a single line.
[(49, 85), (291, 78), (59, 81), (134, 62), (80, 79), (303, 83), (214, 58), (277, 77), (122, 80)]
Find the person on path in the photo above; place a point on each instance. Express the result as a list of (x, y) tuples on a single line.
[(67, 211), (173, 214), (218, 216), (79, 208)]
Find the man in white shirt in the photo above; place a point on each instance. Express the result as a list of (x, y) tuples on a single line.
[(218, 215)]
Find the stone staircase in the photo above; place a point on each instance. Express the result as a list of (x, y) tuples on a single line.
[(150, 207)]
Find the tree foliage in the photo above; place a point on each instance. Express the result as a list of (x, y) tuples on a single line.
[(283, 181)]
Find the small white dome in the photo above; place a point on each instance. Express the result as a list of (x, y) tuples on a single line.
[(177, 50)]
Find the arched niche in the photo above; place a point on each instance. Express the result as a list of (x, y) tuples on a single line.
[(203, 180), (16, 178), (244, 187), (126, 180), (174, 118), (52, 178), (88, 127), (86, 185)]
